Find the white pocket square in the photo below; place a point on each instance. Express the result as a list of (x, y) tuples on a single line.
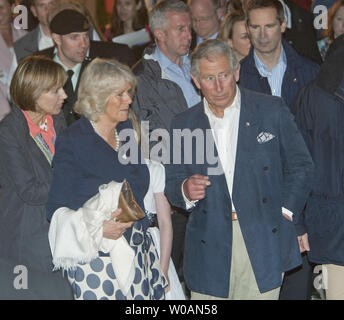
[(264, 137)]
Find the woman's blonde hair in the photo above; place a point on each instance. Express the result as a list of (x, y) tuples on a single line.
[(227, 25), (34, 76), (101, 78)]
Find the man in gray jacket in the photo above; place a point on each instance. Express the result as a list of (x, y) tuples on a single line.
[(165, 88), (39, 38)]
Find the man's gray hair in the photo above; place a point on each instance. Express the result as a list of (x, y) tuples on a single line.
[(157, 15), (208, 48)]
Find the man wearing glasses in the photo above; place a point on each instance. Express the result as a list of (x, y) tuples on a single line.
[(205, 20)]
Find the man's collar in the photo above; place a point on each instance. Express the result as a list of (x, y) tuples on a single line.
[(262, 67), (76, 68), (41, 32), (214, 36), (164, 61)]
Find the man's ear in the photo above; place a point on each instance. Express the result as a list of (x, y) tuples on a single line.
[(33, 10), (159, 34), (237, 74), (196, 82), (56, 38), (283, 25)]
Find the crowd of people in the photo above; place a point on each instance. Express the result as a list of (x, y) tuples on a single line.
[(188, 150)]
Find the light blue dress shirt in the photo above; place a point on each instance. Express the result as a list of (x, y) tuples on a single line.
[(179, 75), (199, 39), (275, 76)]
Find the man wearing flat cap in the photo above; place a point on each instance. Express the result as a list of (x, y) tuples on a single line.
[(74, 50)]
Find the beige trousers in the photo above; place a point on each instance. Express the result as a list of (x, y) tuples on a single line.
[(243, 285), (333, 277)]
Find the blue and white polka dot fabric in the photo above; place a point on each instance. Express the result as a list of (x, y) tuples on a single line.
[(97, 281)]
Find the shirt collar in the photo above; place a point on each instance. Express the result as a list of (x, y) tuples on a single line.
[(42, 34), (214, 36), (34, 128), (76, 68), (165, 62), (235, 105), (263, 69)]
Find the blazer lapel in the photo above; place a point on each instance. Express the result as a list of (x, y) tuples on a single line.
[(210, 150), (247, 139)]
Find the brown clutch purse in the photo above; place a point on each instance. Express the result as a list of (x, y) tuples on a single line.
[(131, 211)]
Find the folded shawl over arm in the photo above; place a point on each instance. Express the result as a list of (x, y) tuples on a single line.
[(76, 236)]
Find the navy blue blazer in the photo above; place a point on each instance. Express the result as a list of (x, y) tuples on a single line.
[(83, 161), (320, 117), (268, 176)]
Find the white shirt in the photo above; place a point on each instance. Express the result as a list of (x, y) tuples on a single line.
[(44, 41), (76, 69), (225, 132)]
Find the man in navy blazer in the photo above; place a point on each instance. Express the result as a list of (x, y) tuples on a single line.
[(240, 236), (274, 67)]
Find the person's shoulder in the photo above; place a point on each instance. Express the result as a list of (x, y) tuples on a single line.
[(13, 120), (49, 52), (189, 115), (6, 123), (308, 63), (265, 103), (313, 95), (297, 60), (147, 66), (138, 68), (107, 45), (256, 96), (29, 36), (73, 132), (110, 50), (247, 61), (105, 49)]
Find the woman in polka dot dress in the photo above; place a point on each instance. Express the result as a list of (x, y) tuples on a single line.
[(88, 156)]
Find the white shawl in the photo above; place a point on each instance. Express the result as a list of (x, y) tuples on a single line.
[(77, 236)]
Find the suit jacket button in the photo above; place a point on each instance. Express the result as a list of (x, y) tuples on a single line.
[(274, 230), (202, 241), (265, 200), (204, 211), (266, 168)]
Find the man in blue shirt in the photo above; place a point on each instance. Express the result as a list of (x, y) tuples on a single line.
[(206, 20), (273, 67), (165, 88)]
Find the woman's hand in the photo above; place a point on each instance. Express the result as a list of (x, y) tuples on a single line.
[(167, 288), (113, 229)]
